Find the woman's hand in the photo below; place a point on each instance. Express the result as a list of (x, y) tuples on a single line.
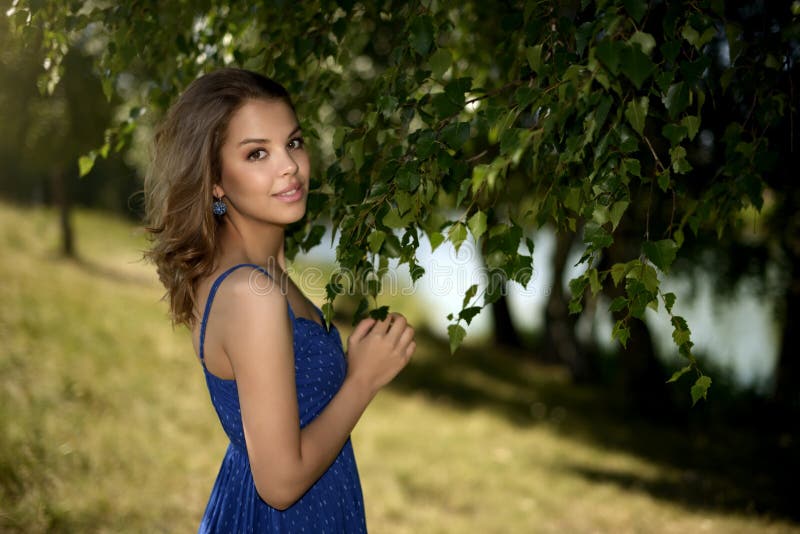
[(378, 350)]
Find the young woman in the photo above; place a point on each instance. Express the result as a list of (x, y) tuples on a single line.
[(230, 170)]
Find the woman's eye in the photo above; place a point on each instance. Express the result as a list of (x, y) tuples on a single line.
[(296, 143), (257, 154)]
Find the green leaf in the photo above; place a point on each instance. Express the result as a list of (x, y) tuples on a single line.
[(436, 239), (649, 278), (379, 313), (572, 200), (700, 389), (357, 152), (440, 61), (416, 271), (610, 52), (661, 253), (690, 34), (457, 89), (327, 313), (596, 236), (425, 144), (676, 99), (455, 134), (679, 373), (675, 133), (407, 178), (619, 271), (107, 84), (636, 66), (534, 55), (373, 287), (680, 165), (104, 150), (639, 296), (669, 301), (467, 314), (577, 286), (477, 224), (338, 137), (636, 9), (525, 95), (632, 166), (520, 269), (375, 240), (692, 125), (601, 111), (645, 41), (469, 294), (85, 163), (618, 304), (617, 211), (421, 34), (392, 219), (482, 175), (695, 38), (457, 234), (456, 333), (636, 113), (621, 332), (333, 288), (680, 332), (664, 179), (444, 106)]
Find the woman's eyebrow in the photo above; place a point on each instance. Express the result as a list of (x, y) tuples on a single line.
[(264, 140), (253, 140)]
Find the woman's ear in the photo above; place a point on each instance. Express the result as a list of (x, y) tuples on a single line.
[(217, 191)]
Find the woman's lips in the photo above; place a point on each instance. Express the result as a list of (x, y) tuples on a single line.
[(290, 194)]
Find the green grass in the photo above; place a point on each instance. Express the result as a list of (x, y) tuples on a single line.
[(106, 426)]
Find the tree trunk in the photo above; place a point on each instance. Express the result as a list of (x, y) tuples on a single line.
[(559, 339), (787, 371), (643, 377), (504, 331), (62, 201)]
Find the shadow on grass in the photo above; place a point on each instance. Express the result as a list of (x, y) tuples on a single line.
[(110, 273), (722, 466), (691, 489)]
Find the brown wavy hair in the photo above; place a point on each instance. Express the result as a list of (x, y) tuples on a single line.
[(185, 165)]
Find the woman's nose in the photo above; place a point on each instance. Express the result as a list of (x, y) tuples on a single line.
[(289, 165)]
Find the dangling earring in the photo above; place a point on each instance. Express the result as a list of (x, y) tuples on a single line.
[(219, 207)]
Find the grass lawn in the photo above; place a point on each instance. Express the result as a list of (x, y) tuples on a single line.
[(106, 425)]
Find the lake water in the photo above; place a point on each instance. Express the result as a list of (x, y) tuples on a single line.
[(737, 332)]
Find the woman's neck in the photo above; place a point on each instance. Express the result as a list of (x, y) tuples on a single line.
[(262, 246)]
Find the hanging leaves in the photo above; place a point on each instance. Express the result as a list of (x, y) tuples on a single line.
[(432, 125)]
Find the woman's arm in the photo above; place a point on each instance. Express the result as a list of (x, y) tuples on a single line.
[(256, 336)]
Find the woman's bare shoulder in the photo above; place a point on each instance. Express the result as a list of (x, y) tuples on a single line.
[(243, 292)]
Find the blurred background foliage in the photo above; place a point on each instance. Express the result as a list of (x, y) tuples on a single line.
[(650, 139)]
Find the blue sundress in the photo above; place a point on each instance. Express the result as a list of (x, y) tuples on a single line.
[(334, 503)]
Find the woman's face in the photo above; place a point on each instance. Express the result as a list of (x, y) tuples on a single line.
[(265, 167)]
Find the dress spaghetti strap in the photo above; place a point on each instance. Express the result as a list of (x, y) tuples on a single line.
[(213, 292)]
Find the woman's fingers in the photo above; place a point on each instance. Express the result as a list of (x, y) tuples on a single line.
[(362, 329), (382, 326), (397, 327), (406, 337)]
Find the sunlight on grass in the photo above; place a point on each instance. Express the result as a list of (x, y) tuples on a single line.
[(106, 425)]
